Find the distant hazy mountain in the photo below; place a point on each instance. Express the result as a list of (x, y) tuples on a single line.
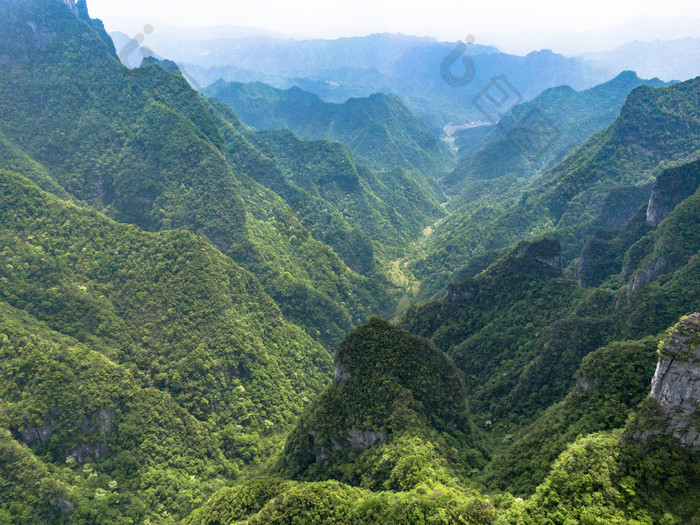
[(407, 66), (666, 59), (640, 28)]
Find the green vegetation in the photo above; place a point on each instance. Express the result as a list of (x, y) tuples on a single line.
[(144, 148), (601, 184), (600, 479), (172, 280), (395, 390), (366, 199), (572, 116), (611, 382), (275, 501), (175, 340), (379, 129), (105, 448)]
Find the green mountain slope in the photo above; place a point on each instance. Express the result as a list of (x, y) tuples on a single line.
[(171, 281), (395, 407), (567, 119), (644, 474), (92, 436), (394, 421), (144, 148), (167, 310), (367, 200), (518, 331), (380, 129), (603, 183), (99, 129), (306, 278), (610, 383)]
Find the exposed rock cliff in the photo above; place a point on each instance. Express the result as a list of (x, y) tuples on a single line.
[(546, 251), (670, 189), (674, 401)]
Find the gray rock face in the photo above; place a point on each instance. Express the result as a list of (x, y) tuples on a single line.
[(65, 506), (642, 276), (94, 451), (671, 187), (656, 210), (676, 383), (364, 438), (340, 373), (39, 434), (546, 251)]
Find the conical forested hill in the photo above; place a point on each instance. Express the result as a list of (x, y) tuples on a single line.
[(390, 388)]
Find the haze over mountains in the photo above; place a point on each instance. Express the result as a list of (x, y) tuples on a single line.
[(581, 43), (403, 65), (195, 285), (407, 66)]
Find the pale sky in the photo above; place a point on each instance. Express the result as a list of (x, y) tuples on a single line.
[(444, 19)]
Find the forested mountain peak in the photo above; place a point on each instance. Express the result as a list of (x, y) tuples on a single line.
[(389, 385)]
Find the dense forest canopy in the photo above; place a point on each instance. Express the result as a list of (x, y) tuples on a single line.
[(254, 305)]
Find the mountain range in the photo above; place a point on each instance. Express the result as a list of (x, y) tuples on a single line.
[(194, 295), (555, 116), (380, 129), (358, 67)]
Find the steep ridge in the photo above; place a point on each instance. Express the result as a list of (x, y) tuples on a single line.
[(604, 253), (646, 277), (516, 331), (379, 129), (675, 388), (389, 387), (610, 383), (144, 148), (306, 278), (565, 118), (603, 183), (646, 473)]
